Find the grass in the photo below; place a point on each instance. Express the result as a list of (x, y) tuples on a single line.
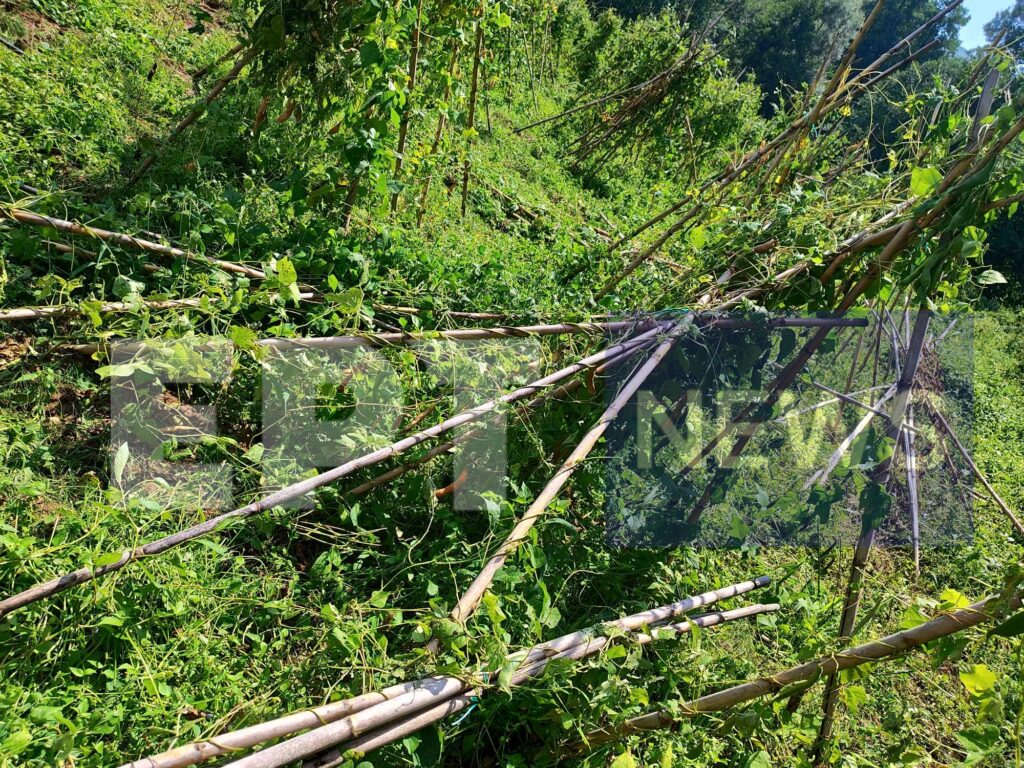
[(295, 608)]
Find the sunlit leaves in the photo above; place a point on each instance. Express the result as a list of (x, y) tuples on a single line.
[(978, 680), (924, 181)]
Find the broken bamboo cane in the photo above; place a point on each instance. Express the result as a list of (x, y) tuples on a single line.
[(191, 754), (877, 650), (294, 491)]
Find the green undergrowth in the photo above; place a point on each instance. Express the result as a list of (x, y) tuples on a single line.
[(296, 607)]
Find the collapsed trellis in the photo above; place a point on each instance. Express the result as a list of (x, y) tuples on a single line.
[(436, 706), (392, 711), (892, 233)]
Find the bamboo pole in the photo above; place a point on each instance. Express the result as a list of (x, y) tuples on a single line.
[(949, 623), (865, 543), (297, 490), (471, 115), (200, 73), (403, 130), (391, 733), (438, 133), (912, 487), (396, 338), (190, 754), (962, 174), (473, 334), (944, 426), (470, 599), (123, 240), (112, 307), (11, 46), (347, 719), (823, 475), (587, 105)]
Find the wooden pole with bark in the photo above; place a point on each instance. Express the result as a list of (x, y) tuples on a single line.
[(865, 543), (403, 130), (471, 115)]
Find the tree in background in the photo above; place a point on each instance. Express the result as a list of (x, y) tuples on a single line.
[(782, 42), (1012, 20), (901, 17)]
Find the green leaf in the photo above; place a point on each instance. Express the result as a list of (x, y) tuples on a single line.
[(854, 696), (15, 743), (953, 600), (978, 680), (738, 529), (697, 237), (1012, 627), (108, 559), (121, 369), (286, 274), (255, 453), (347, 301), (243, 338), (120, 462), (512, 665), (924, 181), (915, 756), (991, 277), (370, 54), (45, 714), (758, 760), (875, 503), (625, 760), (979, 742)]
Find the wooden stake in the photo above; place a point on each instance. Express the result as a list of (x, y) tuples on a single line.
[(471, 116), (403, 130)]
